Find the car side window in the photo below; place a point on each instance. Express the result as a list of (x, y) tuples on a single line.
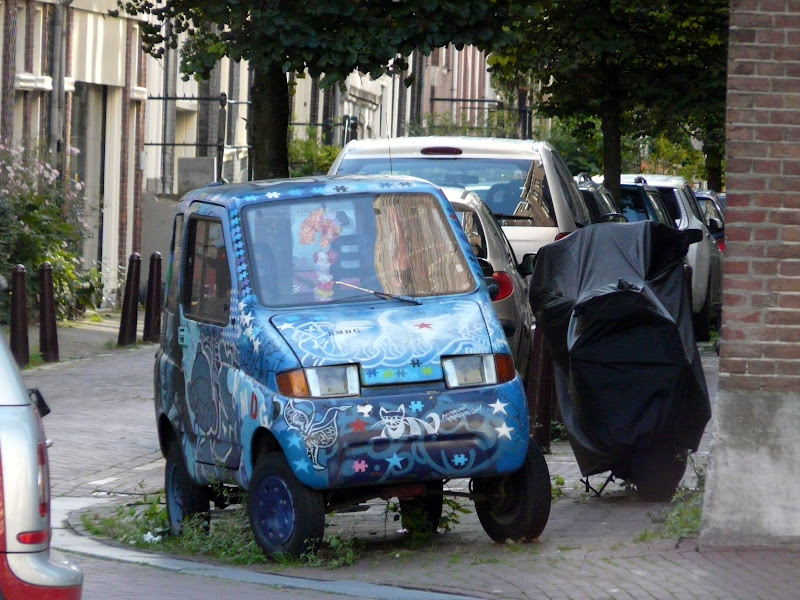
[(694, 206), (475, 234), (670, 198), (207, 292), (171, 301)]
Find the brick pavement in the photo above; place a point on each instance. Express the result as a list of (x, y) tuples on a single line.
[(105, 445)]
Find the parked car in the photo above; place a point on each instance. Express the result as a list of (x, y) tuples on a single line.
[(488, 242), (642, 202), (722, 197), (329, 340), (601, 204), (524, 183), (26, 568), (704, 256), (714, 213)]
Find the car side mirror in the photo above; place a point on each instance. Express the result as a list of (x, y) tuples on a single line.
[(694, 235), (715, 225), (38, 401), (614, 217), (528, 262)]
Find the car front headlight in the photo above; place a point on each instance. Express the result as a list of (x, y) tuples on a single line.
[(320, 382), (477, 369)]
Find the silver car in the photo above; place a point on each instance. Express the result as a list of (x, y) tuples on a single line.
[(489, 243), (26, 568), (704, 256), (525, 183)]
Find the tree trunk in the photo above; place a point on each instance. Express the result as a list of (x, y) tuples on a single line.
[(612, 150), (269, 123), (714, 168), (610, 126)]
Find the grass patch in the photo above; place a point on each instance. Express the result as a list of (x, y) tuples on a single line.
[(227, 537)]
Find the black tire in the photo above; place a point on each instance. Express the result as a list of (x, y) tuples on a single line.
[(702, 320), (184, 497), (657, 473), (286, 516), (517, 506), (422, 515)]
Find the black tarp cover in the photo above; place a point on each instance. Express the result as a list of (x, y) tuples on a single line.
[(613, 305)]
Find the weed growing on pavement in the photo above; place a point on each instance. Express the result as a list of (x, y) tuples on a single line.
[(416, 522), (558, 432), (685, 514), (557, 487), (227, 537)]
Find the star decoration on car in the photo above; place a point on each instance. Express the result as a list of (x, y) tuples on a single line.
[(504, 431), (499, 407)]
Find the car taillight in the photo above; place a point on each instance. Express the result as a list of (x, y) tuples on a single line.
[(561, 235), (43, 481), (33, 537), (721, 245), (506, 285)]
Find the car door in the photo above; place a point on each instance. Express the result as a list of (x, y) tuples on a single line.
[(207, 339)]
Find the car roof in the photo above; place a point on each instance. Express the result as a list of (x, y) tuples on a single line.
[(467, 147), (275, 190), (653, 179)]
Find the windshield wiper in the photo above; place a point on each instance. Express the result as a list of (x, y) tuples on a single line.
[(383, 295)]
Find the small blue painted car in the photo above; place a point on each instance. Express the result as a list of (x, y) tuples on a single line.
[(330, 340)]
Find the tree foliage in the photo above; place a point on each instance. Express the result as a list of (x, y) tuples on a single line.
[(643, 67), (327, 38)]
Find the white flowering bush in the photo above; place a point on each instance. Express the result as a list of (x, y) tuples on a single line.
[(42, 219)]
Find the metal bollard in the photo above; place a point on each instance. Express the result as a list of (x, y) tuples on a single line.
[(19, 318), (152, 304), (48, 335), (130, 308)]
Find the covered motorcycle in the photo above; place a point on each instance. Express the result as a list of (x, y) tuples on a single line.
[(612, 302)]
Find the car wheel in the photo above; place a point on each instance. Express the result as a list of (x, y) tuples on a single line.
[(184, 497), (657, 473), (516, 506), (286, 516), (702, 320), (423, 513)]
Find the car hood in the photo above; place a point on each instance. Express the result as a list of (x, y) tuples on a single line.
[(393, 342)]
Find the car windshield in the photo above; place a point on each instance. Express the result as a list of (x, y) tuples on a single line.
[(394, 243), (476, 174)]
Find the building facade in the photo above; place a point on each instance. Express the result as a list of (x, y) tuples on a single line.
[(75, 79)]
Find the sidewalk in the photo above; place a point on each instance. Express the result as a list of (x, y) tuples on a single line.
[(589, 549), (95, 335)]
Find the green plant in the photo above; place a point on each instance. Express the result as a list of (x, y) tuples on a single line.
[(684, 516), (227, 537), (558, 432), (75, 289), (557, 487), (334, 552), (42, 219), (310, 157)]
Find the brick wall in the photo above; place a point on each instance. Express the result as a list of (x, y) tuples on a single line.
[(761, 321), (752, 495)]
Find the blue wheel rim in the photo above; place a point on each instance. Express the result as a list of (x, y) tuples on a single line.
[(276, 516)]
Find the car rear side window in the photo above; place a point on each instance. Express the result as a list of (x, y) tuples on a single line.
[(171, 302), (208, 293)]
